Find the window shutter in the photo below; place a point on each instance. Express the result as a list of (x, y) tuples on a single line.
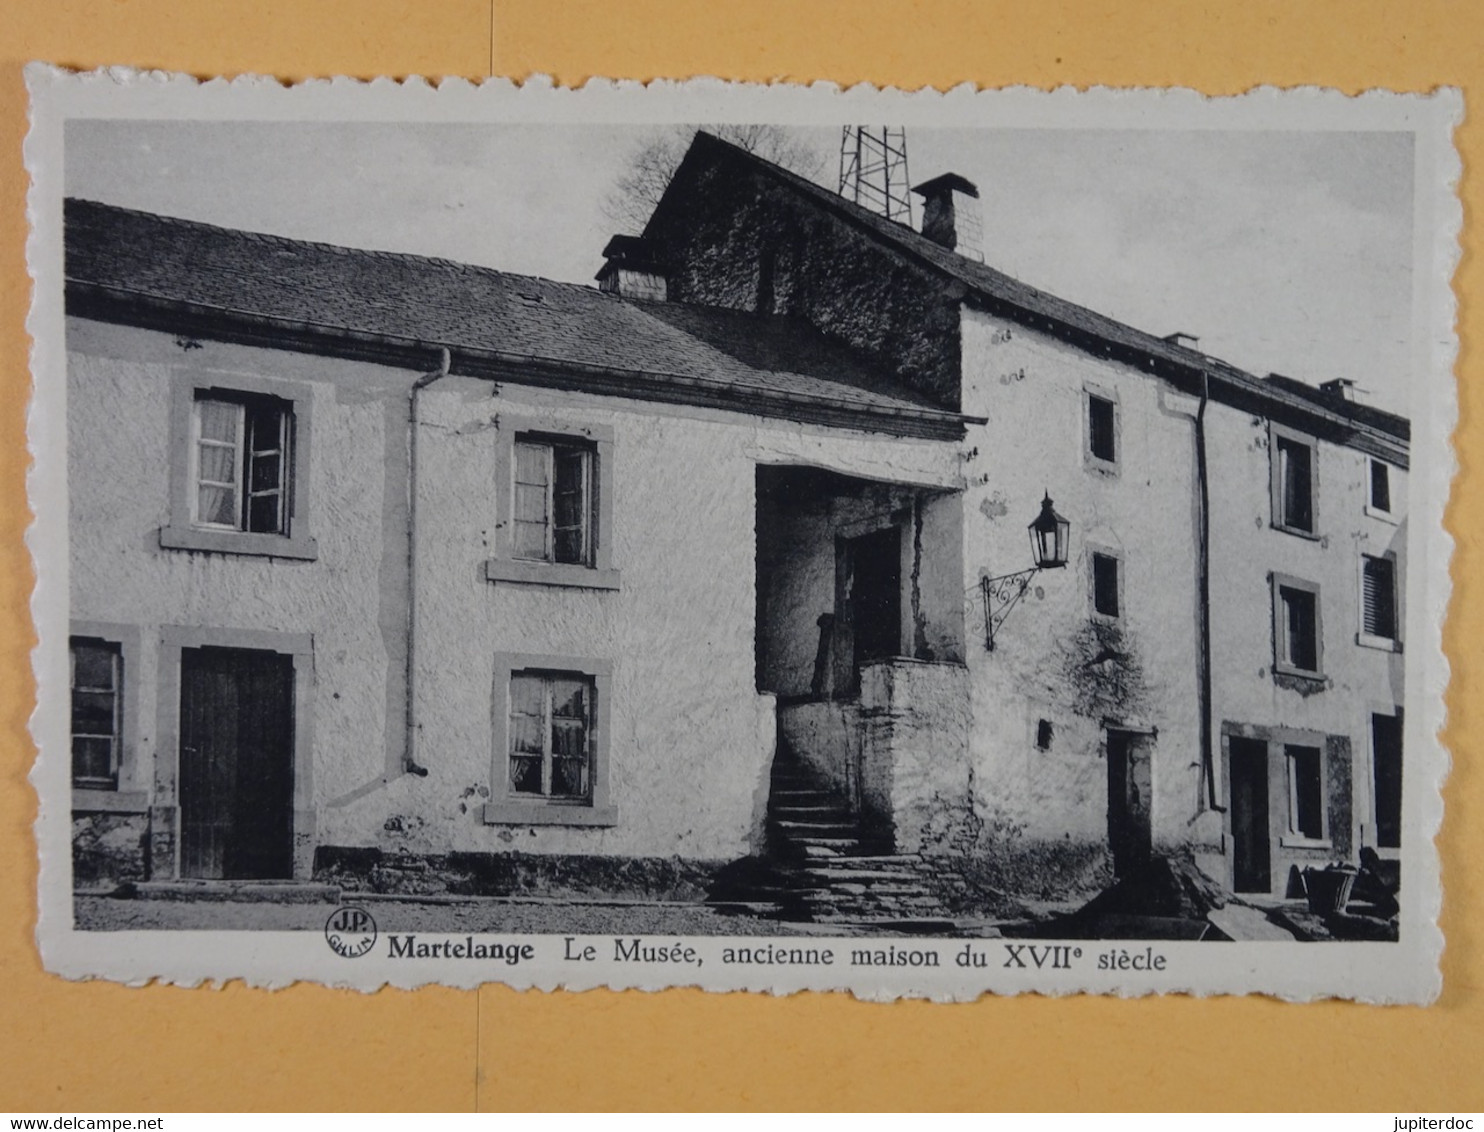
[(1378, 597)]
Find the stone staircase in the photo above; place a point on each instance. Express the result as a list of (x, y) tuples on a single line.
[(823, 867)]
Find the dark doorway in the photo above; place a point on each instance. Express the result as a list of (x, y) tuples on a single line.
[(1251, 839), (1130, 790), (1386, 753), (874, 594), (236, 764)]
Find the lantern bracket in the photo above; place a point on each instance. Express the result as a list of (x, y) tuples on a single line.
[(1001, 595)]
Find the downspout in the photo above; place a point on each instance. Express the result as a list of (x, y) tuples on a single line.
[(414, 422), (1203, 572)]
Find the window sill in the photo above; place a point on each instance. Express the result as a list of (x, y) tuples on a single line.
[(1385, 644), (539, 813), (299, 547), (1296, 532), (98, 801), (1295, 841), (549, 574), (1298, 673), (1099, 465), (1384, 516)]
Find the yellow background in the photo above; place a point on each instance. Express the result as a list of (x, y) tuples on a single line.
[(79, 1047)]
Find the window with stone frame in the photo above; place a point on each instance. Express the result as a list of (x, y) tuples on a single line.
[(1380, 486), (1102, 428), (1297, 636), (239, 466), (551, 735), (241, 463), (1106, 585), (1305, 791), (97, 712), (554, 502), (1294, 471)]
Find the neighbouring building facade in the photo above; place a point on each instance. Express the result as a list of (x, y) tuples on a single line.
[(375, 553)]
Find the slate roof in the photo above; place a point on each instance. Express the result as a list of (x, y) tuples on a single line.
[(1379, 419), (1055, 314), (137, 260)]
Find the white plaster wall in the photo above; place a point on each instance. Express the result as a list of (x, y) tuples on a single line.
[(119, 388), (1032, 389), (691, 737), (691, 740), (1246, 550)]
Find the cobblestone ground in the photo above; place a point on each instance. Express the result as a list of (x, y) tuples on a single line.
[(104, 913)]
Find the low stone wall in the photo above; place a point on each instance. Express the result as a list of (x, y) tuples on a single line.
[(514, 874), (825, 735), (915, 771), (108, 849)]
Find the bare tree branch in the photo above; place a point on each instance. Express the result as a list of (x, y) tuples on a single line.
[(634, 196)]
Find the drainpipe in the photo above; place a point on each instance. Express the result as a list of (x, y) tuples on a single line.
[(1203, 572), (409, 758)]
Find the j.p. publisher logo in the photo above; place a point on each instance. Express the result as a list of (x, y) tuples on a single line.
[(350, 932)]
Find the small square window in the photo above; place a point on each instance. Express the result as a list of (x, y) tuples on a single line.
[(1305, 792), (1380, 486), (1293, 459), (1296, 632), (1102, 430), (97, 712), (1043, 734), (1105, 585)]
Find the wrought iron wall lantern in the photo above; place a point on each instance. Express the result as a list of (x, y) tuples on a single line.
[(1049, 542)]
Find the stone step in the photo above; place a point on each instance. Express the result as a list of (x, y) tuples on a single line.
[(841, 844), (831, 874), (238, 891), (901, 861), (873, 894), (813, 828)]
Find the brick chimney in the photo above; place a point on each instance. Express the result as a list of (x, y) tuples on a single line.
[(632, 270), (951, 215)]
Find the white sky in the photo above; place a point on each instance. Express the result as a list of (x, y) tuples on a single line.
[(1287, 252)]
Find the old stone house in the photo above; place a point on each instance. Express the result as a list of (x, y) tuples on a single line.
[(385, 555)]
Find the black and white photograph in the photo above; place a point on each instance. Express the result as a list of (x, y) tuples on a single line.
[(589, 543)]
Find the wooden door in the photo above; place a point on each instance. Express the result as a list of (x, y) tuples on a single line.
[(1386, 753), (236, 764), (1252, 849), (876, 595), (1130, 799)]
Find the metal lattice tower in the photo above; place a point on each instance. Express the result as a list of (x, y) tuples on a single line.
[(873, 170)]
